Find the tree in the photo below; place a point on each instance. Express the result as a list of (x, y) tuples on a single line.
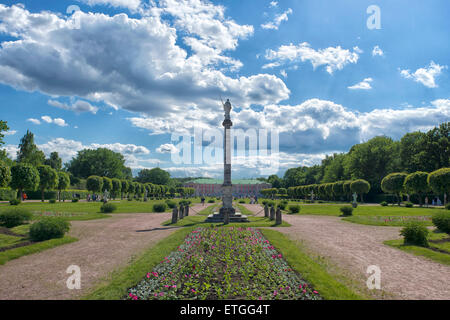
[(338, 188), (361, 187), (155, 176), (29, 152), (94, 183), (54, 161), (107, 184), (63, 183), (411, 145), (3, 127), (439, 182), (99, 162), (275, 181), (334, 168), (116, 187), (24, 176), (48, 179), (435, 149), (5, 175), (394, 183), (417, 183)]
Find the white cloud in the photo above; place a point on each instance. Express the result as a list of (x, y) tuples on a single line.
[(334, 58), (273, 4), (377, 51), (34, 121), (426, 75), (167, 148), (10, 132), (275, 24), (47, 119), (11, 151), (283, 73), (363, 85), (78, 107), (130, 4), (58, 121)]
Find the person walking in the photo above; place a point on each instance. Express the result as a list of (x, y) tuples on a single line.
[(203, 201)]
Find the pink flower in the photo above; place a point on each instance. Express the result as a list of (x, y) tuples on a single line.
[(315, 292)]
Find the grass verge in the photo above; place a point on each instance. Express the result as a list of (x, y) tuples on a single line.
[(388, 221)]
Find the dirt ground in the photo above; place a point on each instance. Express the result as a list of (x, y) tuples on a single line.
[(354, 247), (104, 245)]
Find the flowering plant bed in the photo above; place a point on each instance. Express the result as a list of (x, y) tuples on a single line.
[(223, 263)]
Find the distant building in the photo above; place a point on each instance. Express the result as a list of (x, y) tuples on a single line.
[(241, 188)]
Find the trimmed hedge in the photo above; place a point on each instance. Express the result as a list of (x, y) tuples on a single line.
[(347, 210), (53, 194), (14, 217), (415, 233), (442, 221), (108, 208), (159, 207), (7, 194), (294, 209), (49, 228)]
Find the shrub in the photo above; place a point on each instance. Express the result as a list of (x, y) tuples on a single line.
[(184, 202), (294, 208), (75, 200), (384, 204), (264, 202), (415, 233), (282, 205), (49, 228), (171, 204), (14, 202), (442, 221), (447, 206), (271, 203), (108, 208), (11, 218), (409, 204), (347, 210), (130, 199), (160, 207), (211, 201), (52, 201), (242, 201)]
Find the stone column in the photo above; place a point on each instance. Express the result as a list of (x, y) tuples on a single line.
[(272, 213), (278, 217), (266, 211), (181, 213), (186, 210), (175, 215)]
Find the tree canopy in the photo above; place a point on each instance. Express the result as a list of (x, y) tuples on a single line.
[(155, 176)]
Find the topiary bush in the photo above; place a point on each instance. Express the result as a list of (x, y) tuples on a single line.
[(294, 209), (184, 202), (383, 204), (211, 201), (409, 204), (52, 201), (171, 204), (14, 202), (242, 201), (14, 217), (160, 207), (108, 208), (346, 211), (415, 233), (75, 200), (442, 221), (447, 206), (49, 228)]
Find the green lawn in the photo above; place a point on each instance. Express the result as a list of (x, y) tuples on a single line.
[(390, 221), (199, 221), (441, 257)]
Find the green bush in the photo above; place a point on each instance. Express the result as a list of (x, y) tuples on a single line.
[(171, 204), (14, 217), (294, 208), (7, 194), (108, 208), (282, 205), (49, 228), (409, 204), (264, 202), (184, 203), (242, 201), (160, 207), (384, 204), (347, 210), (52, 201), (447, 206), (14, 202), (211, 201), (415, 233), (442, 221), (75, 200)]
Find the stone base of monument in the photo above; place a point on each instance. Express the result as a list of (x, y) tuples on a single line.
[(219, 217)]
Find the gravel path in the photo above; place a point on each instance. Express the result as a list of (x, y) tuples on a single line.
[(104, 245), (354, 247)]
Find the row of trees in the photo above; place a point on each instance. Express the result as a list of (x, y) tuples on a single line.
[(419, 183)]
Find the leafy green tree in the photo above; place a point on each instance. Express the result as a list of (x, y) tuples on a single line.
[(435, 149), (394, 183), (411, 146), (416, 183), (100, 162), (107, 184), (29, 152), (94, 183), (439, 182), (54, 161), (48, 179), (5, 175), (334, 169), (24, 176), (338, 188), (125, 187), (3, 127), (63, 183), (116, 187), (155, 176), (275, 181), (361, 187)]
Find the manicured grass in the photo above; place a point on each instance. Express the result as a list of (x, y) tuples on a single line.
[(391, 221), (199, 221), (7, 240), (429, 253), (33, 248), (206, 211), (116, 286), (244, 210), (329, 288)]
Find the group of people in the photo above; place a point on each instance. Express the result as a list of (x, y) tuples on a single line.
[(435, 202), (94, 197)]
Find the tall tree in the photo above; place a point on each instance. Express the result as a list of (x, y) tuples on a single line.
[(155, 176), (24, 176), (48, 179), (435, 152), (63, 183), (54, 161), (3, 127), (411, 145), (5, 175), (28, 151)]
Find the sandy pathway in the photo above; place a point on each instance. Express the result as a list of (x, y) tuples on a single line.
[(104, 245), (354, 247)]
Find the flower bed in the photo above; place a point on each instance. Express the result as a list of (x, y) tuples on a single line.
[(224, 263)]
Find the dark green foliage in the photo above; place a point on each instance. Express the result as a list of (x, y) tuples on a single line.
[(439, 181), (294, 209), (14, 217), (185, 202), (415, 233), (52, 201), (447, 206), (171, 204), (49, 228), (346, 211), (155, 176), (94, 183), (48, 179), (75, 200), (24, 176), (384, 204), (15, 202), (54, 161), (159, 207), (5, 174), (211, 201), (108, 208), (28, 151), (442, 221), (409, 204), (242, 201)]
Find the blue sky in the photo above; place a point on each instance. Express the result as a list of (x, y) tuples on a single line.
[(128, 74)]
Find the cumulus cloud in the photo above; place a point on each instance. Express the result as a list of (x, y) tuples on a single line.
[(377, 51), (363, 85), (273, 4), (130, 4), (275, 24), (58, 121), (137, 65), (167, 148), (34, 121), (10, 132), (333, 58), (79, 106), (426, 75)]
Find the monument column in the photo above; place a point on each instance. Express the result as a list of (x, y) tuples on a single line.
[(227, 207)]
